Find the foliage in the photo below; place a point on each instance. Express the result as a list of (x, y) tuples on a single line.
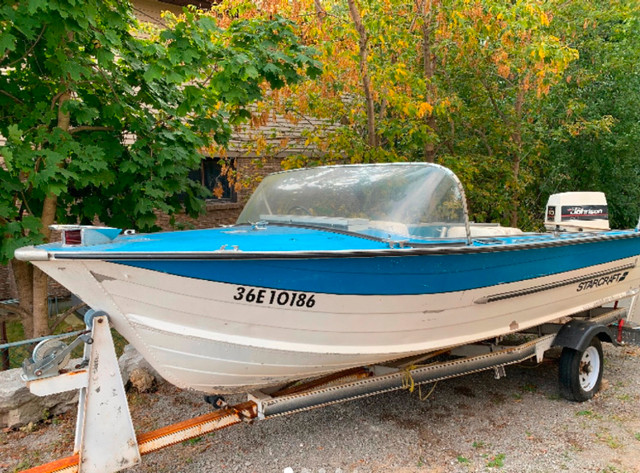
[(520, 99), (103, 120), (500, 61), (595, 115), (497, 461), (80, 84), (462, 83)]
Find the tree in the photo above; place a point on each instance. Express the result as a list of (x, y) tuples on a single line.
[(363, 46), (520, 99), (379, 80), (76, 82), (501, 60), (595, 114)]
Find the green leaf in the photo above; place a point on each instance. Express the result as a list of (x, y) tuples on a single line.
[(7, 43), (14, 133), (153, 73)]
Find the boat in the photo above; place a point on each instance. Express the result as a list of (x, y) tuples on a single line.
[(336, 267)]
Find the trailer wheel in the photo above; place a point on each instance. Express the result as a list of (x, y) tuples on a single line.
[(580, 372)]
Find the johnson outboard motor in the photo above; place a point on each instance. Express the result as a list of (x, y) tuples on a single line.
[(577, 212)]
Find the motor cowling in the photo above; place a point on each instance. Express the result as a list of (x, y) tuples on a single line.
[(577, 212)]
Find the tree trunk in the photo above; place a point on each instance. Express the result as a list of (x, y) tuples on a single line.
[(23, 276), (38, 290), (40, 303), (363, 39), (39, 287), (320, 11), (516, 197), (425, 7), (516, 136)]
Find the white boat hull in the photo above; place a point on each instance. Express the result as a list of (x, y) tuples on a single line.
[(198, 335)]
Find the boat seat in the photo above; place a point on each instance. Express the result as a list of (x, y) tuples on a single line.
[(481, 230), (391, 227)]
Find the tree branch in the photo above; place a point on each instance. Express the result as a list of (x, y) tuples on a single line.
[(15, 99), (106, 79), (363, 41), (10, 312), (56, 97), (31, 48), (90, 128), (66, 314), (493, 101), (320, 11), (23, 202), (9, 318)]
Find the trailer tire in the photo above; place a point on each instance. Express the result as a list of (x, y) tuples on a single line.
[(580, 372)]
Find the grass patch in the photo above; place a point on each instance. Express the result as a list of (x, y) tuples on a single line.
[(529, 388), (497, 461), (193, 441), (609, 440)]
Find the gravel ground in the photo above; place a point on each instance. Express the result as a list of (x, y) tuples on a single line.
[(470, 424)]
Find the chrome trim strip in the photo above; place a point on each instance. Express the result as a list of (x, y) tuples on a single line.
[(545, 287)]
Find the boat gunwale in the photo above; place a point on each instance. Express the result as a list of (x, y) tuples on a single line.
[(396, 248)]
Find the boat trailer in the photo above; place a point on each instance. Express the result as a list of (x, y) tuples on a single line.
[(103, 411)]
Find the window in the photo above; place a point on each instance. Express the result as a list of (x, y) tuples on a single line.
[(218, 178)]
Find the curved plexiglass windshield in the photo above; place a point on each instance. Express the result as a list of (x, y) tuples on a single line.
[(415, 200)]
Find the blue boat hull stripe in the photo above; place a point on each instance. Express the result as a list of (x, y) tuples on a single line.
[(393, 276)]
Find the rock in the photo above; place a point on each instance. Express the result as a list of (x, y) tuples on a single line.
[(142, 380), (19, 407), (131, 360)]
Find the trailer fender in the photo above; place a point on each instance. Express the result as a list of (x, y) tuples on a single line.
[(577, 334)]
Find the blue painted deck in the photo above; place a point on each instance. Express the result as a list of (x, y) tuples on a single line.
[(376, 270)]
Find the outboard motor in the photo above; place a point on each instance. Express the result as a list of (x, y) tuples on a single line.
[(577, 212)]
